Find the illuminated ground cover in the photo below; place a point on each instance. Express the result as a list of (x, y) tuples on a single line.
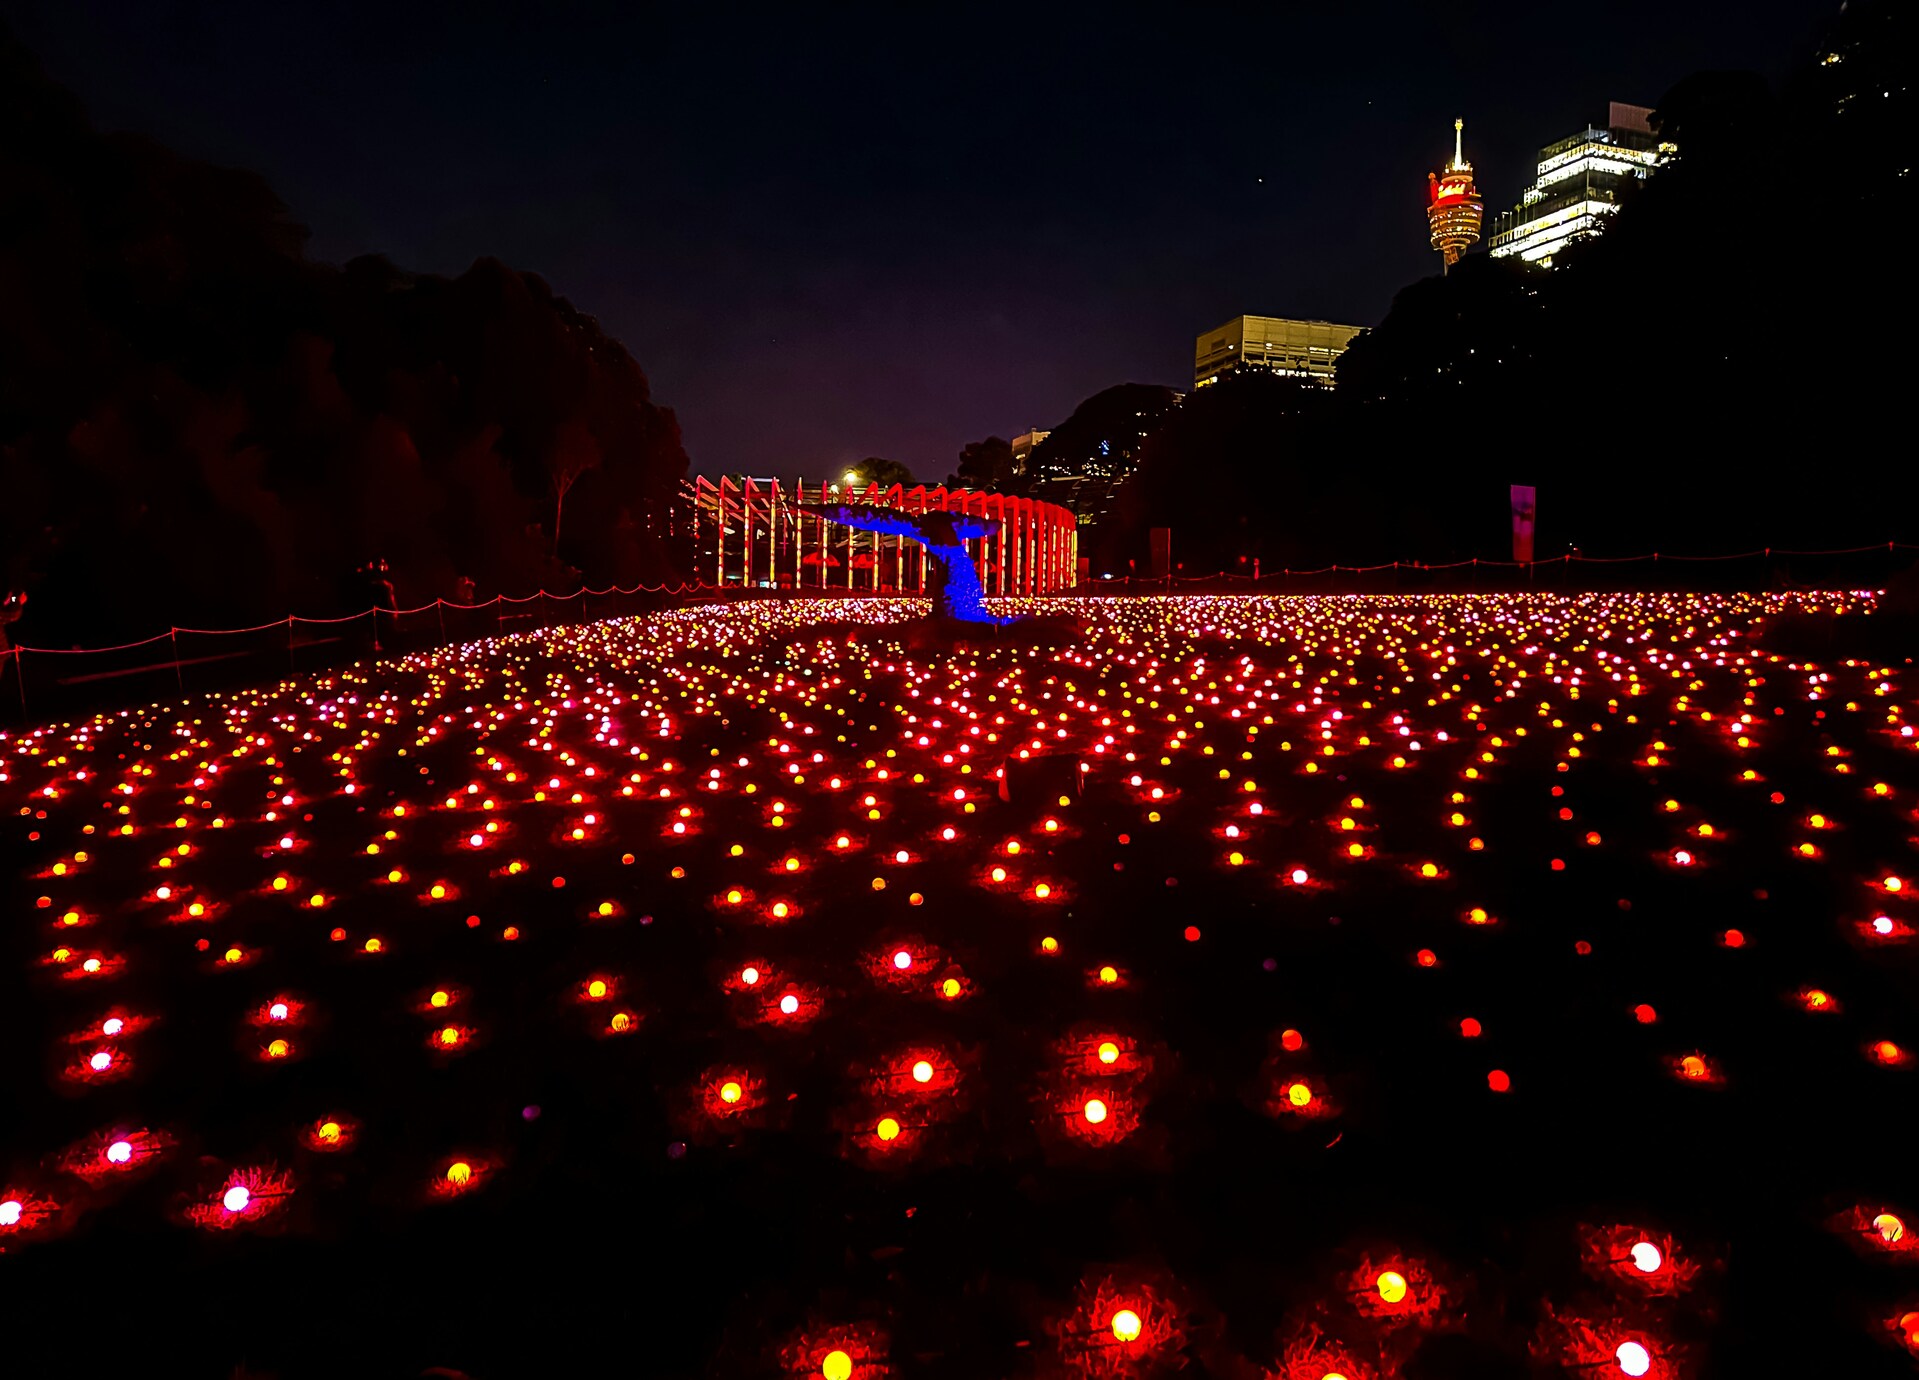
[(1301, 987)]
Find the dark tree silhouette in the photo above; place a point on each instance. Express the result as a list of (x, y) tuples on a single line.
[(198, 425), (986, 465)]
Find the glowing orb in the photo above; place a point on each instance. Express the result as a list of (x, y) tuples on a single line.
[(439, 999), (1109, 974), (330, 1132), (120, 1152), (1094, 1111), (1300, 1095), (731, 1092), (596, 989), (235, 1199), (1298, 875), (10, 1212), (1126, 1325), (1646, 1258), (1891, 1230), (888, 1129), (100, 1062), (1108, 1053), (922, 1072), (1634, 1359), (277, 1011), (837, 1366), (903, 960), (789, 1004), (950, 987), (1391, 1285), (112, 1025), (749, 976), (459, 1173)]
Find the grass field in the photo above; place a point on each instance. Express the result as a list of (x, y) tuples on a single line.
[(1319, 987)]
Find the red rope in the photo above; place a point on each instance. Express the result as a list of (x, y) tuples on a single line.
[(374, 612)]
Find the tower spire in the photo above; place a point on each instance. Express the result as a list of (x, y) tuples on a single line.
[(1453, 207)]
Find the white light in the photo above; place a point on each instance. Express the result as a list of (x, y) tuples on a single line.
[(236, 1199), (902, 960), (278, 1011), (120, 1152), (100, 1062), (1634, 1359), (112, 1025), (789, 1003), (1646, 1257), (10, 1212), (749, 976)]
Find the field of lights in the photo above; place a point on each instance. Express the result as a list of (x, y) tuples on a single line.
[(1318, 988)]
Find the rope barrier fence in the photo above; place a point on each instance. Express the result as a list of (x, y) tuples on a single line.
[(69, 679)]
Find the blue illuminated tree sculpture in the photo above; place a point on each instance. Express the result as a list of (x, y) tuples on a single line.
[(956, 592)]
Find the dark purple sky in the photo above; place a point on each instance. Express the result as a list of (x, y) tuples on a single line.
[(826, 236)]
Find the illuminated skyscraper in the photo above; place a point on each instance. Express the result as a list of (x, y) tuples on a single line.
[(1453, 207), (1582, 180)]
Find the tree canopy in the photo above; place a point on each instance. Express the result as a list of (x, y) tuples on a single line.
[(199, 425)]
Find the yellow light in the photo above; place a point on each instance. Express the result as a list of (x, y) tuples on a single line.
[(1391, 1285), (439, 999), (922, 1072), (1109, 1053), (837, 1365), (1109, 974), (950, 987), (888, 1129), (1299, 1094), (1095, 1111), (596, 989), (459, 1173), (1891, 1230), (730, 1092), (1126, 1325)]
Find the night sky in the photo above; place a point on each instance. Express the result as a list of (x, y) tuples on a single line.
[(826, 236)]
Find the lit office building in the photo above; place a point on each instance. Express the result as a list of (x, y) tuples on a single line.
[(1304, 350), (1024, 445), (1582, 180)]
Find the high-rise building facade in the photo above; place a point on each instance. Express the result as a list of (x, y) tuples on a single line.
[(1581, 180), (1453, 208), (1305, 350), (1024, 445)]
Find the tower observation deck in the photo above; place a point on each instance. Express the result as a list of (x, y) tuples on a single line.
[(1453, 208)]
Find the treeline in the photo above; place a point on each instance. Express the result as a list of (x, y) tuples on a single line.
[(197, 425)]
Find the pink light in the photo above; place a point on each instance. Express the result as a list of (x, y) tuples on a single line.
[(236, 1199)]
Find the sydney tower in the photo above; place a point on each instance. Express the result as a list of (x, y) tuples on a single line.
[(1453, 207)]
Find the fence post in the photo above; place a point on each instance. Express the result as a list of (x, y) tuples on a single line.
[(20, 674), (179, 679), (439, 607), (292, 666)]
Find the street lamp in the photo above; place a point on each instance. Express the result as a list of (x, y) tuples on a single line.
[(852, 477)]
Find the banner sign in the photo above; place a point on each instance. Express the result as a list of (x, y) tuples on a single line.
[(1525, 510)]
